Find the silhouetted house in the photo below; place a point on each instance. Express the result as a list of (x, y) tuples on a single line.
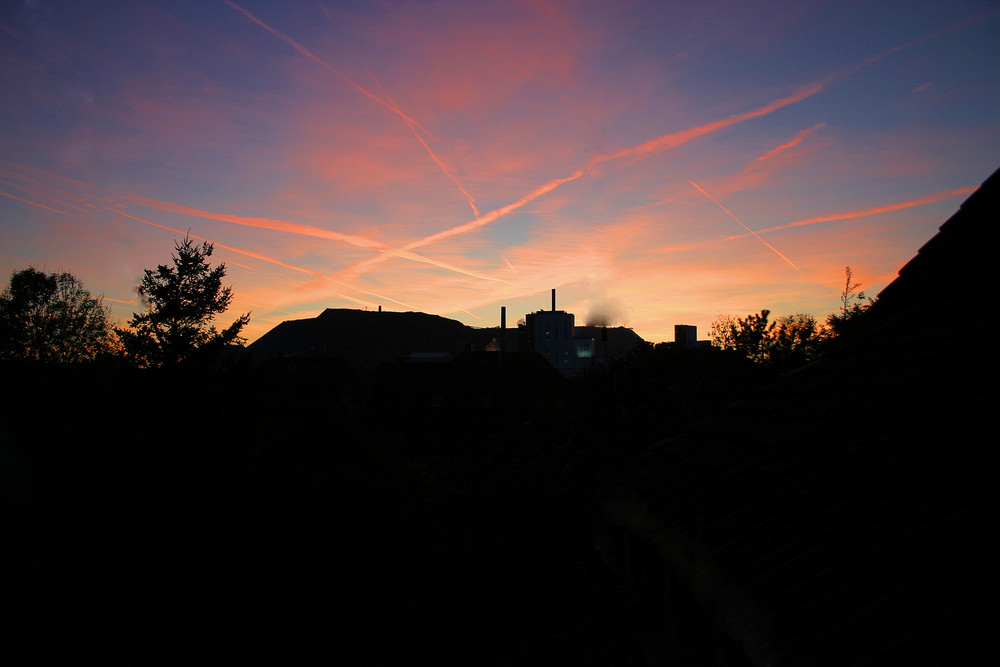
[(846, 516), (364, 337)]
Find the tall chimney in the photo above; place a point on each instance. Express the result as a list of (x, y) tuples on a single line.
[(503, 328), (553, 299)]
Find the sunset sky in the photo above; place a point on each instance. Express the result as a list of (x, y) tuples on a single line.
[(658, 163)]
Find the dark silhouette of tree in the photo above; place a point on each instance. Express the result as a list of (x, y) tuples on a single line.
[(791, 340), (796, 340), (853, 303), (50, 317), (722, 332), (181, 302), (750, 335), (785, 343)]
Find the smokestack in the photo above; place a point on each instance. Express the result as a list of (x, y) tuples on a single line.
[(553, 299), (503, 328)]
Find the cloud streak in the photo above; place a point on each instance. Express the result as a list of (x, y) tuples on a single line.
[(674, 139), (929, 199), (752, 232), (795, 141)]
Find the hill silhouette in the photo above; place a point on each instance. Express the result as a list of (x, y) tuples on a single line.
[(365, 337), (368, 338)]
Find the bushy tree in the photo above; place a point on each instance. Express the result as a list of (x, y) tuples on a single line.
[(796, 340), (749, 335), (181, 301), (787, 342), (50, 317)]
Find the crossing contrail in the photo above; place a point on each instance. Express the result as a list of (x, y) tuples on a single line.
[(303, 230), (387, 103), (752, 232)]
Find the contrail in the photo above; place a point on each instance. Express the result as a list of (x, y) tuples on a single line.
[(658, 144), (309, 54), (467, 227), (509, 265), (303, 230), (388, 104), (59, 177), (795, 141), (644, 149), (44, 196), (675, 139), (444, 169), (47, 208), (263, 223), (929, 199), (272, 260), (847, 71), (752, 232)]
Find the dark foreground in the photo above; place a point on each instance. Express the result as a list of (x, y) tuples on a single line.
[(204, 517)]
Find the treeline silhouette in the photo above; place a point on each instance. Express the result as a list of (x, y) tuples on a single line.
[(204, 511), (170, 501), (210, 509)]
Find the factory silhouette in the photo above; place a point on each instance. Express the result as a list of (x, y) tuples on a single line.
[(429, 367), (367, 338)]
